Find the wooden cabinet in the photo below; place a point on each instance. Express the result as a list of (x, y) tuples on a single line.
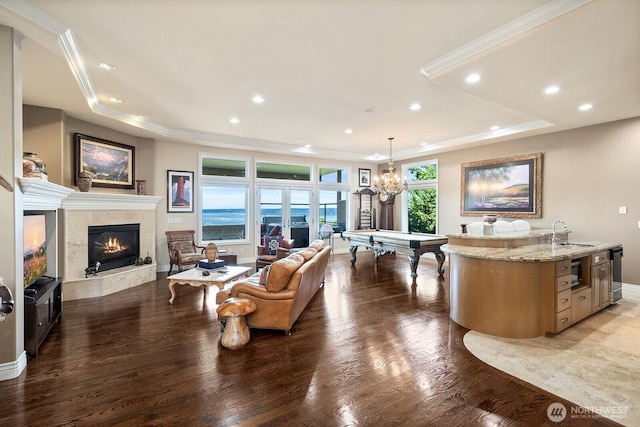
[(562, 289), (43, 308), (581, 304), (591, 279), (600, 280)]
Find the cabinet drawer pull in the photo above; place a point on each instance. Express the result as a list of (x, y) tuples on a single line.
[(39, 323), (563, 300), (564, 320), (564, 268), (582, 297), (564, 283)]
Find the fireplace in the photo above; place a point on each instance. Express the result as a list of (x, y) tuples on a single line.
[(113, 246)]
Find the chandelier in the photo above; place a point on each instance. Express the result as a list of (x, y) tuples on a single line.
[(388, 184)]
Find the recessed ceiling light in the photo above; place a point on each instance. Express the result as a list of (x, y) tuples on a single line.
[(258, 99), (551, 90), (234, 120), (585, 107), (307, 145), (472, 78), (423, 144), (107, 67), (495, 127), (348, 131), (115, 100), (415, 106)]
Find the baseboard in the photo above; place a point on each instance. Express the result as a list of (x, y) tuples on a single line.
[(11, 370)]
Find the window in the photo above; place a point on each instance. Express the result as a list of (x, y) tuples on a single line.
[(290, 193), (333, 209), (224, 193), (212, 166), (224, 212), (283, 171), (422, 197), (333, 175)]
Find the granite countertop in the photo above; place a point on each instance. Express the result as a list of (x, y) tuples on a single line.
[(540, 233), (528, 253)]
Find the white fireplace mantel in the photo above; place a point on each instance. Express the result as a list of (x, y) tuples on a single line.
[(107, 201), (39, 195), (43, 195)]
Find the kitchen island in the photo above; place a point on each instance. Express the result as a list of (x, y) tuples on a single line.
[(519, 285)]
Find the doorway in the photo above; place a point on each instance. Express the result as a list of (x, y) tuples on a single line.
[(286, 212)]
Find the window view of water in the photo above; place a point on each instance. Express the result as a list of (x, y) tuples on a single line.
[(238, 216)]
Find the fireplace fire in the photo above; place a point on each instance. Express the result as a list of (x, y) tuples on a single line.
[(113, 246)]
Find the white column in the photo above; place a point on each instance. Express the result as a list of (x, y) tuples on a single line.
[(12, 356)]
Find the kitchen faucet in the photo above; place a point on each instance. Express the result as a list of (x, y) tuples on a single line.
[(553, 227)]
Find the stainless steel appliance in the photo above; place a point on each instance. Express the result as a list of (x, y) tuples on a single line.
[(615, 254), (576, 272)]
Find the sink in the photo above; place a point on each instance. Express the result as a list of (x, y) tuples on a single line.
[(569, 244)]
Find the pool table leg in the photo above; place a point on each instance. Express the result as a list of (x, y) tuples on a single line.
[(440, 258), (413, 262), (353, 250)]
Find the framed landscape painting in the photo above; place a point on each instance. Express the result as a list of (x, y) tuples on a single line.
[(180, 191), (508, 187), (110, 164)]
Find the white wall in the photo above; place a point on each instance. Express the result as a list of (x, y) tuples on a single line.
[(587, 174)]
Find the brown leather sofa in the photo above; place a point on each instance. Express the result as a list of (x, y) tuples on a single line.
[(286, 290)]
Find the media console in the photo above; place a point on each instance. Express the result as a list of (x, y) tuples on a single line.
[(42, 310)]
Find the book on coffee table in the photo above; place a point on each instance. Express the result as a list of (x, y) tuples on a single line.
[(205, 263)]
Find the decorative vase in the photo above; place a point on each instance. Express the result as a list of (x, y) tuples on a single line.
[(211, 252), (464, 228), (84, 181), (140, 186), (40, 170), (490, 218), (28, 168)]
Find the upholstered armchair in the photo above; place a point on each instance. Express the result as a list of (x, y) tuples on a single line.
[(267, 256), (183, 249)]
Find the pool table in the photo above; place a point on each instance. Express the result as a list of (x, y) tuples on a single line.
[(387, 241)]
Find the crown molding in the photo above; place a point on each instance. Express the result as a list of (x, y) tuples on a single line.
[(484, 136), (531, 20)]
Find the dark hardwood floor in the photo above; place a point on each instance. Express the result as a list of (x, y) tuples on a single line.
[(371, 349)]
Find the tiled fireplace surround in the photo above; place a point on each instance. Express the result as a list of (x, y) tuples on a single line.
[(79, 211), (76, 211)]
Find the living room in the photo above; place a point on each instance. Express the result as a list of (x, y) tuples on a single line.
[(588, 176)]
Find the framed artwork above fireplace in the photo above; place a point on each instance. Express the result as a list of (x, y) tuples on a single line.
[(110, 164)]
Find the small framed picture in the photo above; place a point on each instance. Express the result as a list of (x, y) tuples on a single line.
[(179, 191), (364, 177)]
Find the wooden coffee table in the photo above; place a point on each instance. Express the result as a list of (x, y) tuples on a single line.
[(219, 277)]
